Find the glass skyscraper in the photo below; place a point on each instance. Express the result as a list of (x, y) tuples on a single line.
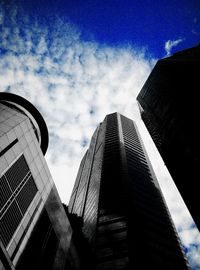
[(169, 104), (125, 219)]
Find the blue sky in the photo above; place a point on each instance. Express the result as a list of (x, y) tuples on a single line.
[(147, 24), (77, 61)]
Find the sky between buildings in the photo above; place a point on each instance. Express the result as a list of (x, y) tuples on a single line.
[(77, 61)]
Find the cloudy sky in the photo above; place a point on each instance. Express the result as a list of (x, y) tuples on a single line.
[(77, 61)]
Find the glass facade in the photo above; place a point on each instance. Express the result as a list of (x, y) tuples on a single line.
[(84, 199), (124, 210), (17, 192), (34, 230), (170, 110), (41, 247), (25, 181)]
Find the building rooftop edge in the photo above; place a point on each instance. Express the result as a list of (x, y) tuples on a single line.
[(185, 52), (18, 100)]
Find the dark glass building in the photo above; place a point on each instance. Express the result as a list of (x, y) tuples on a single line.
[(124, 215), (35, 232), (169, 104)]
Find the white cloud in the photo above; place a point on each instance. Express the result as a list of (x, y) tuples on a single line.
[(194, 256), (67, 79), (195, 32), (169, 44)]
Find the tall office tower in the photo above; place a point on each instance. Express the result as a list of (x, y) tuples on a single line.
[(34, 230), (125, 218), (169, 103)]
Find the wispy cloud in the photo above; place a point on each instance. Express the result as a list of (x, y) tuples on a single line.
[(169, 44), (74, 84), (195, 32)]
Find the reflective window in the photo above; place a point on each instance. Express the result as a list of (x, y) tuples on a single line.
[(17, 190)]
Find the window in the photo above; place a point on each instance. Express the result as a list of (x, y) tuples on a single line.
[(41, 248), (17, 190)]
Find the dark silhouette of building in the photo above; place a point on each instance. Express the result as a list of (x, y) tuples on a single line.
[(35, 232), (169, 104), (116, 194)]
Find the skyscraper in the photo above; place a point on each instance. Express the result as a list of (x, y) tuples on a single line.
[(169, 105), (34, 230), (125, 218)]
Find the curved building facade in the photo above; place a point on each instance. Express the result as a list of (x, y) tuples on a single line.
[(34, 230)]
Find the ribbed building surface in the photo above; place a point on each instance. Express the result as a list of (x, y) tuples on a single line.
[(34, 230), (125, 218), (169, 103)]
